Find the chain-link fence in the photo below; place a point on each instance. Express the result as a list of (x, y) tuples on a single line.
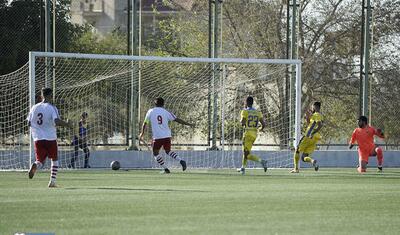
[(328, 43)]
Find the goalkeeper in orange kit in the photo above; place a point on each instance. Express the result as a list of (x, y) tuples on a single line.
[(364, 136)]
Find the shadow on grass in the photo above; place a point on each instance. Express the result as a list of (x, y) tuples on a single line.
[(142, 189)]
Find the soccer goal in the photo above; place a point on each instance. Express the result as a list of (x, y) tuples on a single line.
[(116, 91)]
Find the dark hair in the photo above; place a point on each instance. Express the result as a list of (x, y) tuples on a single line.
[(84, 114), (249, 100), (159, 102), (47, 91), (363, 119), (317, 104)]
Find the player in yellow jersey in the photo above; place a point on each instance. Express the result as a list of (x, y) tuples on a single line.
[(250, 118), (308, 142)]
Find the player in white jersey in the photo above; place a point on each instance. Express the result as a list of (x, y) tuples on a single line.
[(158, 118), (42, 119)]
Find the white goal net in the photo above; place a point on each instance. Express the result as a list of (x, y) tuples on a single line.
[(116, 91)]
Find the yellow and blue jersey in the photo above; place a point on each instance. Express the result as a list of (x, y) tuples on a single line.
[(252, 118), (312, 125)]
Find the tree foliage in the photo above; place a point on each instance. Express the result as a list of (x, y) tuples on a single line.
[(328, 44), (20, 26)]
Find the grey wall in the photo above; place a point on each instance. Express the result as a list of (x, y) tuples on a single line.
[(132, 159), (207, 159)]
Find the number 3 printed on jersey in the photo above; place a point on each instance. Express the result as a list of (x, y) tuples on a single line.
[(40, 119), (159, 119)]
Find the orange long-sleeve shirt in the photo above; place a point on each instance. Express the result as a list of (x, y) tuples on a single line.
[(365, 138)]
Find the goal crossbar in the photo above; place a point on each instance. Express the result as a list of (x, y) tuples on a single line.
[(163, 59)]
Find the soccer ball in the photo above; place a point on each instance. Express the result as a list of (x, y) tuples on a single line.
[(115, 165)]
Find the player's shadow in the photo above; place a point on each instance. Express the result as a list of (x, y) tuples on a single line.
[(142, 189)]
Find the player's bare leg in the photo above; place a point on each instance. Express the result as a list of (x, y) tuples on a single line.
[(296, 159)]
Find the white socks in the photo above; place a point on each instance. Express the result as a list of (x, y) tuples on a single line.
[(174, 156), (38, 165), (160, 161), (54, 170)]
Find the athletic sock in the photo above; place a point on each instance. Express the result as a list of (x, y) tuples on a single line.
[(379, 156), (160, 161), (296, 159), (174, 156), (253, 157), (54, 169), (38, 165), (244, 161)]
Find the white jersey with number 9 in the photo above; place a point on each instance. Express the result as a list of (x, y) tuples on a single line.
[(159, 118)]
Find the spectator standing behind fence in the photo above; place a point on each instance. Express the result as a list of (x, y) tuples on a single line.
[(80, 142)]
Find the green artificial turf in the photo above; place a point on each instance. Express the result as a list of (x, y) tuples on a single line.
[(331, 201)]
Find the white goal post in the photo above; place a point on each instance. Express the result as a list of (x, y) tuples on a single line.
[(117, 90)]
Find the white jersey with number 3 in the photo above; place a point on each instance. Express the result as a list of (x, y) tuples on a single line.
[(158, 118), (41, 117)]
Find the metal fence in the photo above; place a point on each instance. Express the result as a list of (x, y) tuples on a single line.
[(328, 46)]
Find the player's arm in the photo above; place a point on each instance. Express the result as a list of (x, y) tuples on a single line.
[(145, 123), (180, 121), (353, 139), (243, 122), (143, 130), (29, 118), (60, 122), (307, 116), (379, 133), (243, 118), (320, 124)]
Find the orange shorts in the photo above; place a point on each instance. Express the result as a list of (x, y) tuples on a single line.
[(364, 155)]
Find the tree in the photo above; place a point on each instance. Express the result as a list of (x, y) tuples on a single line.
[(20, 26), (385, 83), (329, 46), (90, 42)]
